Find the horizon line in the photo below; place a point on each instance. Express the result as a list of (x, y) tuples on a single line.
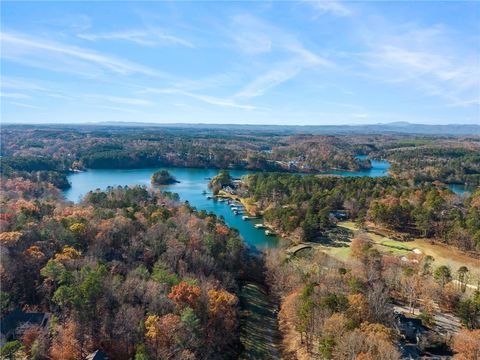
[(93, 123)]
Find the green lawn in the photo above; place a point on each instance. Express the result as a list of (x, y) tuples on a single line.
[(443, 254), (340, 253), (396, 246)]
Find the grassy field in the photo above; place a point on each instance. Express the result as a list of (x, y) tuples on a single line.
[(443, 255), (341, 253), (259, 334), (340, 249)]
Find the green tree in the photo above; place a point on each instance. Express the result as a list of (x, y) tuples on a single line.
[(219, 181), (462, 274), (427, 264), (326, 346), (468, 311), (443, 275), (5, 303), (190, 320), (141, 352), (56, 272), (10, 349)]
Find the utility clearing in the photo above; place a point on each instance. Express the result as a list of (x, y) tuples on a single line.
[(258, 323)]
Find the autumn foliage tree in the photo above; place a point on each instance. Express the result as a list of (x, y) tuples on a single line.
[(185, 294), (99, 266), (162, 334), (65, 345), (466, 345)]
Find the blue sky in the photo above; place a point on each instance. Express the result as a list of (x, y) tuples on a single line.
[(241, 62)]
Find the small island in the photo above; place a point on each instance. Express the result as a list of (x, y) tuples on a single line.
[(219, 181), (163, 177)]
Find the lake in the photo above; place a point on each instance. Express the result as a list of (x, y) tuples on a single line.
[(462, 189), (192, 183), (379, 168)]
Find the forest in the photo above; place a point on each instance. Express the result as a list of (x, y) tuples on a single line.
[(49, 153), (354, 309), (129, 270), (141, 275), (433, 162), (114, 148), (303, 206)]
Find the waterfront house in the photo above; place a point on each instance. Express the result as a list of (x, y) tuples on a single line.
[(14, 324)]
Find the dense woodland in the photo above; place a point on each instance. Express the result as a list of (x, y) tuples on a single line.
[(455, 165), (345, 310), (49, 153), (333, 309), (162, 177), (136, 273), (114, 148), (128, 270), (303, 206)]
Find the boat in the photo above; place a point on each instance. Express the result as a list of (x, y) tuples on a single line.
[(209, 197), (269, 233), (245, 217), (259, 226), (221, 199)]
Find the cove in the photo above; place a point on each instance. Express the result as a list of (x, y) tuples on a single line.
[(192, 183), (462, 189)]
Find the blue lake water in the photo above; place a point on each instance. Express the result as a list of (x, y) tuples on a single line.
[(379, 168), (461, 189), (192, 183)]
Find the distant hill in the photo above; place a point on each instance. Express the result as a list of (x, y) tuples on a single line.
[(379, 128)]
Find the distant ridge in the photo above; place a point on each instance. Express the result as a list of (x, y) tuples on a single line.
[(400, 127)]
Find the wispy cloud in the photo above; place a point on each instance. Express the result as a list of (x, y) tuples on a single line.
[(331, 7), (279, 74), (19, 84), (205, 98), (14, 95), (28, 106), (119, 100), (153, 37), (251, 35), (56, 56), (254, 36), (427, 58), (28, 89), (73, 21), (119, 109)]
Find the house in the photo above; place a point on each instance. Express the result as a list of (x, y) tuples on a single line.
[(411, 329), (14, 324), (229, 189), (97, 355), (339, 215)]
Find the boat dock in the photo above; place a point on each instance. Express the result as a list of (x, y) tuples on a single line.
[(245, 217)]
